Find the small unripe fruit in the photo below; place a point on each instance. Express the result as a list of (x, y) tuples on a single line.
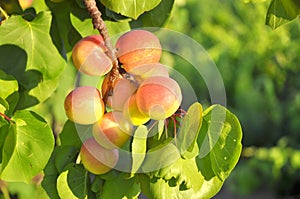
[(89, 56), (148, 70), (84, 105), (158, 97), (112, 130), (138, 47), (132, 113), (97, 159)]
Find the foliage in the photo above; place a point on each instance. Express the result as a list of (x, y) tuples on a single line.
[(260, 70), (36, 140)]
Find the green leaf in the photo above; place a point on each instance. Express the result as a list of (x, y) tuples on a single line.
[(150, 19), (27, 147), (281, 12), (159, 188), (115, 28), (220, 143), (130, 8), (39, 64), (83, 26), (139, 146), (189, 130), (8, 91), (4, 106), (4, 127), (21, 189), (254, 1), (48, 187), (161, 156), (8, 83), (97, 185), (64, 156), (120, 188), (72, 183), (155, 133), (74, 134)]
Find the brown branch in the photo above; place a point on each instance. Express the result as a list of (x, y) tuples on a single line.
[(99, 25)]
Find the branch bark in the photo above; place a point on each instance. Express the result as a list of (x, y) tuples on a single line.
[(99, 25)]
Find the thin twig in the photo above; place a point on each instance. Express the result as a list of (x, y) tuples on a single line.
[(99, 25), (4, 13)]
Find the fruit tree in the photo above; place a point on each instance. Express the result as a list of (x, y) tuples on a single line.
[(89, 108)]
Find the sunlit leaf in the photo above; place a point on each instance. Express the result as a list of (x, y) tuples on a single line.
[(21, 189), (8, 91), (220, 143), (150, 19), (8, 83), (27, 147), (130, 8), (39, 64), (281, 12), (139, 147), (72, 183), (161, 156), (189, 130)]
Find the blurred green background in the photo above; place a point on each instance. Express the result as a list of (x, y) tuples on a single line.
[(261, 72)]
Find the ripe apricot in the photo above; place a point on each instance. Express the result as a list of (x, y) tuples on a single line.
[(138, 47), (158, 97), (84, 105), (148, 70), (97, 159), (25, 3), (112, 130), (89, 56), (132, 113)]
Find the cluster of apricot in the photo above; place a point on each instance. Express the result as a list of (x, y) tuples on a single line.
[(142, 92)]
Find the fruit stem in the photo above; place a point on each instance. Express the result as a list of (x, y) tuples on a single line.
[(99, 25), (5, 116)]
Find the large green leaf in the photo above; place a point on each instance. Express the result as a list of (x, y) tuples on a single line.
[(189, 131), (28, 53), (130, 8), (27, 148), (72, 183), (281, 12), (120, 188), (138, 146), (220, 143)]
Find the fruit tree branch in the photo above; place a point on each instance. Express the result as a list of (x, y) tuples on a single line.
[(99, 25)]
